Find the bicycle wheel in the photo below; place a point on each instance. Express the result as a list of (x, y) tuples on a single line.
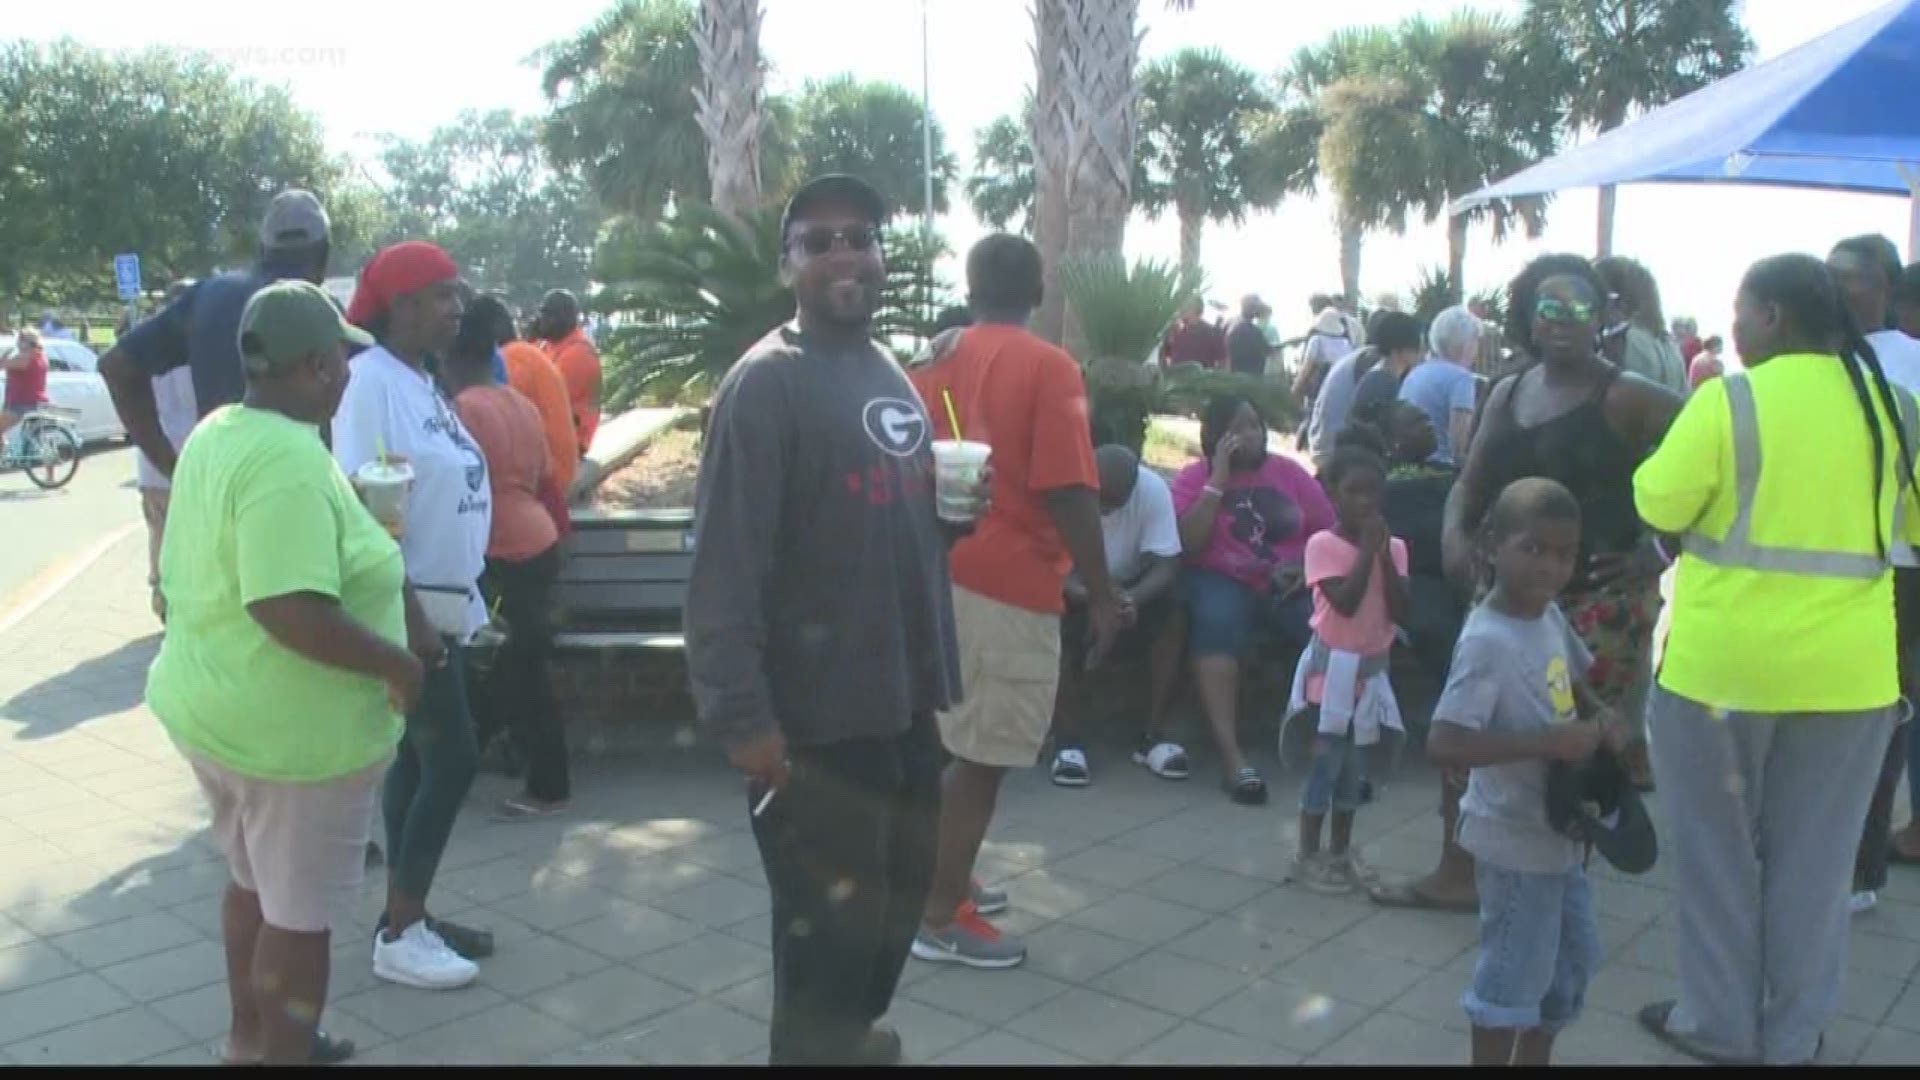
[(55, 455)]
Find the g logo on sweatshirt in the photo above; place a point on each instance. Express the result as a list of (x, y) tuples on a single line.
[(896, 426)]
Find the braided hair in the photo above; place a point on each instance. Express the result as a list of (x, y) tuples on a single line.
[(1802, 288), (1523, 294)]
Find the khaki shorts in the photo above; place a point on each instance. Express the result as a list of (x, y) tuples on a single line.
[(301, 847), (1009, 671)]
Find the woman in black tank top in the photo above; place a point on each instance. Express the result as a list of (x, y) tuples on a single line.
[(1570, 416)]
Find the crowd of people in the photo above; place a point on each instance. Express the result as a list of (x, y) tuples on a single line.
[(358, 517), (1506, 499), (356, 520)]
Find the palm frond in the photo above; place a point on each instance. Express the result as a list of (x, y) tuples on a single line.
[(1123, 311)]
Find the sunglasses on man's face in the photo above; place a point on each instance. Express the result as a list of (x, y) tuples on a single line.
[(1554, 309), (819, 239)]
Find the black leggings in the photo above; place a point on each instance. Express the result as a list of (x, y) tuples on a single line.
[(431, 773), (517, 695)]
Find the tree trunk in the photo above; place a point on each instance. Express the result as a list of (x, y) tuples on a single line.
[(1049, 135), (1103, 47), (1603, 245), (1191, 223), (1457, 258), (730, 103), (1350, 237)]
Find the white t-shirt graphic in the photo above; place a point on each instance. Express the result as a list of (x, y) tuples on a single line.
[(450, 511)]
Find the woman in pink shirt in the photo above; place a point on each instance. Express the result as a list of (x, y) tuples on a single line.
[(523, 564), (1245, 516)]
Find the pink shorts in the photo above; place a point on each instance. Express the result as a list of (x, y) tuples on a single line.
[(301, 847)]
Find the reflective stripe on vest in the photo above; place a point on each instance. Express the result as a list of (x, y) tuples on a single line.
[(1738, 550)]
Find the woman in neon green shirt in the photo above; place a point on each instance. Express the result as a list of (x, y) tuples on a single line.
[(284, 667), (1788, 484)]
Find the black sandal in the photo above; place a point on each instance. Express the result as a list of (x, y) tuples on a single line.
[(1654, 1018), (470, 943)]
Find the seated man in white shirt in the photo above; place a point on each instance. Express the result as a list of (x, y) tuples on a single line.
[(1143, 555)]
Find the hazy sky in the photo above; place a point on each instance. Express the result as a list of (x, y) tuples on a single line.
[(371, 66)]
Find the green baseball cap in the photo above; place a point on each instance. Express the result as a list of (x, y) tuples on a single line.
[(289, 321)]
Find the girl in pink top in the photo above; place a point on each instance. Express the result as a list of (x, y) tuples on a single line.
[(1357, 572)]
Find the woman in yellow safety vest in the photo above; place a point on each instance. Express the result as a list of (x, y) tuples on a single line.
[(1787, 486)]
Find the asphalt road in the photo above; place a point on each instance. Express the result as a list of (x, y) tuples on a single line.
[(44, 532)]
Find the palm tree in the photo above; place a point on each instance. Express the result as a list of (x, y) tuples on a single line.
[(1046, 127), (1198, 111), (732, 109), (1002, 185), (619, 108), (872, 128), (1322, 89), (1487, 114), (1085, 52), (1459, 108), (1614, 58)]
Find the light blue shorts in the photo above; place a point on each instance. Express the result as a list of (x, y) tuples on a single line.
[(1539, 948)]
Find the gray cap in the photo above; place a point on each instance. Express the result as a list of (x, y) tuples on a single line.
[(295, 219)]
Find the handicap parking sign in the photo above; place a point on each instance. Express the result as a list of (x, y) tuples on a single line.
[(126, 274)]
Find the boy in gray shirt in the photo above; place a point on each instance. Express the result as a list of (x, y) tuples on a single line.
[(1513, 703)]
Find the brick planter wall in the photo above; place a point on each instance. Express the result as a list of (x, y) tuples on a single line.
[(630, 701), (624, 701)]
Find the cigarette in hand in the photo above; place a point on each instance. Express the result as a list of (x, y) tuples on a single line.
[(761, 807)]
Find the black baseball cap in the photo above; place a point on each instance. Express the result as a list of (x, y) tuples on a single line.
[(1594, 801), (834, 186)]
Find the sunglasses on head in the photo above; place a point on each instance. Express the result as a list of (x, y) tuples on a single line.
[(1554, 309), (819, 239)]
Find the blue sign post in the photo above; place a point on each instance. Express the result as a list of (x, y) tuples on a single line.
[(126, 274)]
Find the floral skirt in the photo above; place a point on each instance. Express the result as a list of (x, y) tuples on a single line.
[(1616, 623)]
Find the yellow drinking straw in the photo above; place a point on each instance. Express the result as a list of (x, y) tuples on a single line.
[(953, 418)]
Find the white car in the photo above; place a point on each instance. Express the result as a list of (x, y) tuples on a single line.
[(74, 382)]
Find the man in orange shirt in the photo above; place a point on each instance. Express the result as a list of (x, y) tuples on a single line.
[(1027, 400), (563, 338)]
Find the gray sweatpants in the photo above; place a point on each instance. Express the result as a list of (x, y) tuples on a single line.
[(1762, 815)]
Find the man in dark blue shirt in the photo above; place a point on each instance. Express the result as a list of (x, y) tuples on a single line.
[(201, 328)]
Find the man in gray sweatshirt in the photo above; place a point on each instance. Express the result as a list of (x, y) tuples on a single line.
[(820, 634)]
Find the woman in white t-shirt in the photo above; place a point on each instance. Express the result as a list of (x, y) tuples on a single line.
[(408, 298)]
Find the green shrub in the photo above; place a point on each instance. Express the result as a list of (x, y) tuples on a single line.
[(1124, 311), (693, 292)]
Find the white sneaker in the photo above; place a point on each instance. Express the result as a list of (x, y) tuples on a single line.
[(1863, 901), (421, 958)]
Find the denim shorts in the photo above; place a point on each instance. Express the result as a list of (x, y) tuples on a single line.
[(1539, 947), (1222, 614), (1339, 766)]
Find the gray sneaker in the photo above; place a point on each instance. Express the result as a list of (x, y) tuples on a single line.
[(969, 940), (1321, 874)]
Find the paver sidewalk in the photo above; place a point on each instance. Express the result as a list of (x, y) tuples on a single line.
[(635, 931)]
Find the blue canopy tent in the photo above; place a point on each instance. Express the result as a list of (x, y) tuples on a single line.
[(1838, 113)]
